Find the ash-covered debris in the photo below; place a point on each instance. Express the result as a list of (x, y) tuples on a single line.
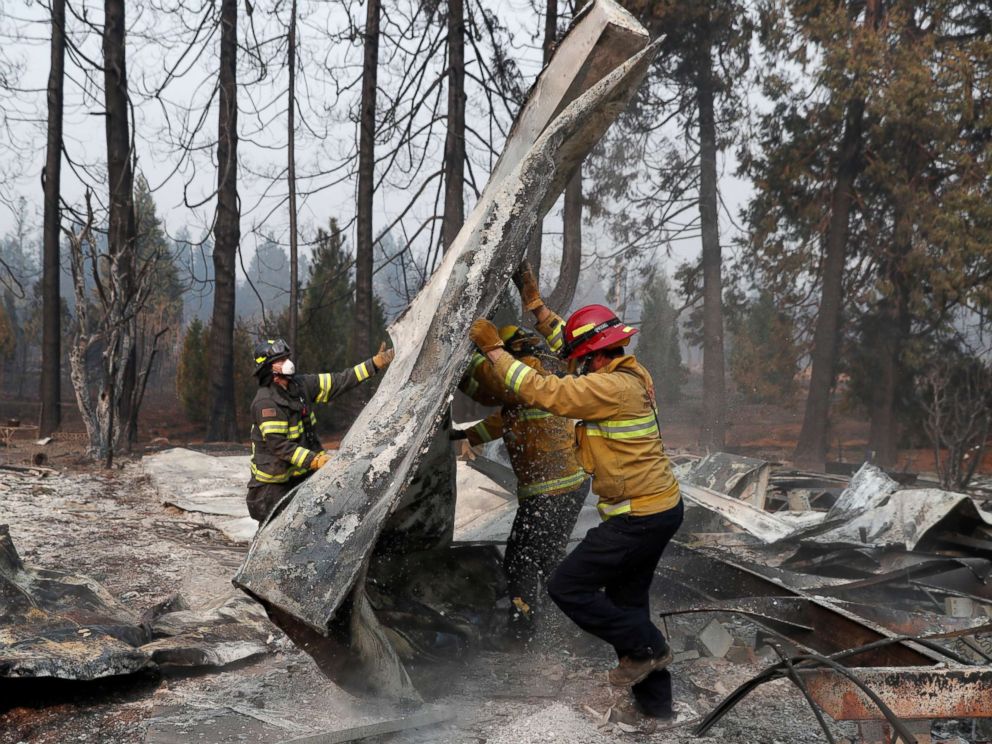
[(893, 582), (55, 624)]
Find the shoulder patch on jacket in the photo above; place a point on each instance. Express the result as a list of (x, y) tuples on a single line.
[(266, 412)]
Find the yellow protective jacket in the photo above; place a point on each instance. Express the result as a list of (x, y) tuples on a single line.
[(539, 443), (617, 438)]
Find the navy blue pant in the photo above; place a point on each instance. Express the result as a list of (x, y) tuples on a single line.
[(619, 557)]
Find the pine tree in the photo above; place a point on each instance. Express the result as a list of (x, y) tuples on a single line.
[(764, 355), (192, 374), (658, 343)]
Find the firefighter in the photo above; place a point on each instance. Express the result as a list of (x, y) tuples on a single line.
[(551, 487), (619, 443), (285, 449)]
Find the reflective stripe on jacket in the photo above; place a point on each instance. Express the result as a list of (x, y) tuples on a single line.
[(283, 438), (539, 444), (617, 438)]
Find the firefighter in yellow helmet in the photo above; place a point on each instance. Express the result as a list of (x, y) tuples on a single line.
[(551, 487), (603, 585), (285, 450)]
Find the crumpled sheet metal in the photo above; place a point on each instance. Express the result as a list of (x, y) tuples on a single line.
[(56, 624), (905, 519), (307, 559), (67, 626)]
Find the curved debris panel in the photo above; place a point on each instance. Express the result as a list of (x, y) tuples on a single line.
[(308, 558)]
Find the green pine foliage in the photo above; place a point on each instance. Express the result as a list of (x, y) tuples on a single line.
[(658, 346), (764, 354), (191, 376), (326, 317)]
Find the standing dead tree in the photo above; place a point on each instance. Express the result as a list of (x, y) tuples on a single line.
[(104, 321), (51, 345)]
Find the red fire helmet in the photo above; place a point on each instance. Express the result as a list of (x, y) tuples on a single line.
[(593, 328)]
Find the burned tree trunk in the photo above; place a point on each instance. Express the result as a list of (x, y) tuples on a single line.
[(104, 320), (120, 224), (713, 431), (563, 293), (362, 335), (811, 450), (227, 234), (294, 272), (454, 143), (51, 341)]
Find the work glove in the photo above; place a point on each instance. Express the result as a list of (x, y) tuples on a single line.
[(383, 357), (484, 335), (467, 452), (526, 283), (319, 460)]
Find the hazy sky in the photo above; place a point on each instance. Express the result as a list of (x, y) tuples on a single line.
[(326, 135)]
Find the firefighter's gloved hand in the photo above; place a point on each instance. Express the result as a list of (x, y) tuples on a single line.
[(319, 460), (526, 283), (384, 356), (485, 336)]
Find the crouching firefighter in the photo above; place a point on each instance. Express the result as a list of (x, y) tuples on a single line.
[(285, 450), (604, 584), (551, 486)]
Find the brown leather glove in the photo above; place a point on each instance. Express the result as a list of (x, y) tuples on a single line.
[(526, 283), (319, 460), (383, 357), (484, 335)]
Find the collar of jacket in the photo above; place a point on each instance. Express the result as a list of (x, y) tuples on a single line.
[(626, 363)]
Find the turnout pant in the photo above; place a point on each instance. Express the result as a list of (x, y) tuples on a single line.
[(264, 497), (619, 556), (538, 539)]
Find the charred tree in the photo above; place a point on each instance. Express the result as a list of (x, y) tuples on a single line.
[(227, 234), (51, 342), (563, 293), (454, 142), (713, 432), (120, 218), (811, 450), (294, 271), (362, 333)]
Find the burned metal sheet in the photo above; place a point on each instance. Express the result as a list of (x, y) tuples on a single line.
[(308, 558), (739, 477), (834, 629), (766, 527), (62, 625), (67, 626)]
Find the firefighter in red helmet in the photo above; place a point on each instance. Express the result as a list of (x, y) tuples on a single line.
[(604, 584)]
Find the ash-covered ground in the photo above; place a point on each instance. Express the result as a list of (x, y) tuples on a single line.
[(112, 526)]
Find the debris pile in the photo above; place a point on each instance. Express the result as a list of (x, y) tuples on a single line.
[(839, 574), (60, 625)]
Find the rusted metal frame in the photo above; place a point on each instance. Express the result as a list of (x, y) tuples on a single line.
[(807, 661), (811, 661), (920, 693), (798, 682)]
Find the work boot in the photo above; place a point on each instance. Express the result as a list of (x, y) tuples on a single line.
[(629, 671)]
